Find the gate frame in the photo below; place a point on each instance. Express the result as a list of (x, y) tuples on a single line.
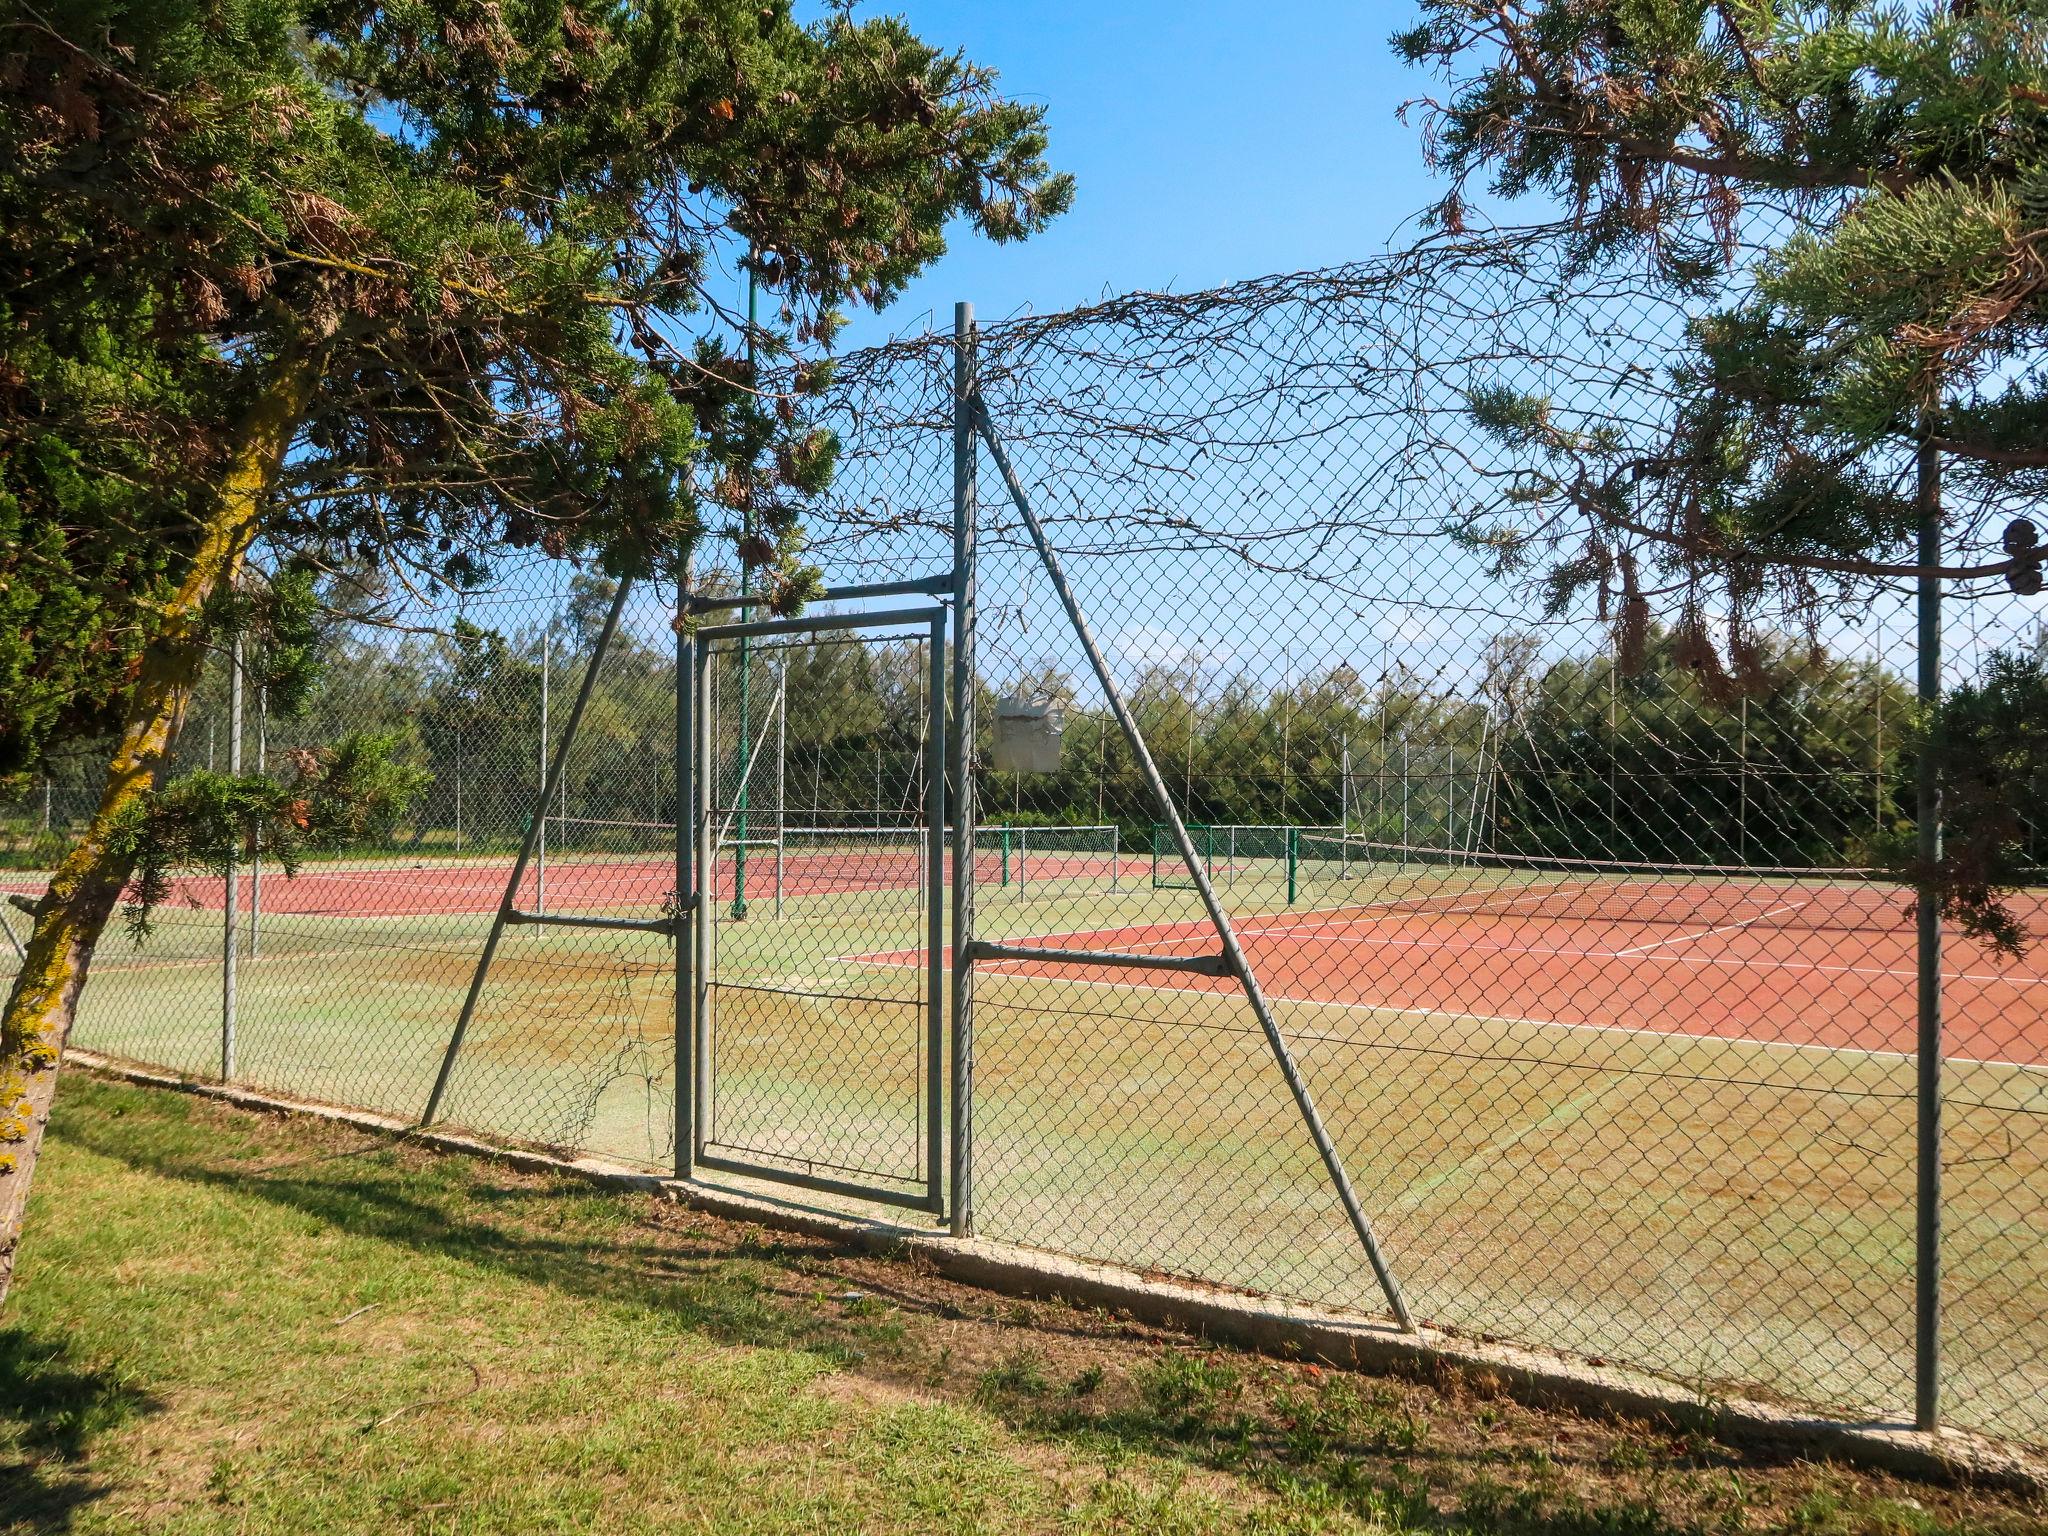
[(694, 975)]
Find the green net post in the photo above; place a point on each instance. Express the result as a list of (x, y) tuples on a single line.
[(1005, 836), (1293, 861)]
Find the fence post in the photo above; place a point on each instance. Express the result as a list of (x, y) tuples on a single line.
[(961, 743), (935, 917), (540, 847), (1927, 1236), (685, 905), (231, 939)]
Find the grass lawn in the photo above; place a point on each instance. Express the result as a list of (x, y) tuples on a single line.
[(226, 1321)]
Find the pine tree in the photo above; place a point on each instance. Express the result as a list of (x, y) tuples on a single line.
[(398, 287), (1853, 202)]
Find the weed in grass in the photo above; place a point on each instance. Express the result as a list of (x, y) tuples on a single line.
[(1343, 1416), (1187, 1391), (1087, 1381), (1828, 1512), (1018, 1375), (1628, 1454), (885, 1337)]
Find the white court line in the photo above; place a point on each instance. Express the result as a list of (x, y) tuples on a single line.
[(1468, 948), (1708, 933), (1455, 1016), (1284, 924), (1737, 962)]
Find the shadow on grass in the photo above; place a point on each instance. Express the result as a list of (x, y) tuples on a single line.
[(1352, 1443), (51, 1409)]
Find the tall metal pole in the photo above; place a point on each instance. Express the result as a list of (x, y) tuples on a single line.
[(935, 916), (961, 743), (231, 892), (1233, 953), (704, 813), (1927, 1244), (686, 906), (540, 847)]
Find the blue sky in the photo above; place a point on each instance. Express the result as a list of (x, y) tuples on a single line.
[(1211, 140)]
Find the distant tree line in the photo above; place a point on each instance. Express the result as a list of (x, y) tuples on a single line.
[(1542, 755)]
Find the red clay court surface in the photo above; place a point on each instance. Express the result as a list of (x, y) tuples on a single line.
[(1826, 967), (456, 887)]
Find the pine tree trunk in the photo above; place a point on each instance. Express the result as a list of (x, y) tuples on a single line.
[(75, 909)]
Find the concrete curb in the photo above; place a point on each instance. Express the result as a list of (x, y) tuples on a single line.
[(1252, 1322)]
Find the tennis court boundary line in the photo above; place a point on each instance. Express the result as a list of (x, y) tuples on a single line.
[(887, 958)]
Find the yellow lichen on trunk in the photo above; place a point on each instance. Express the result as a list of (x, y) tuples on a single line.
[(74, 911)]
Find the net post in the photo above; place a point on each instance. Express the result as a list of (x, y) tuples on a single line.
[(1003, 841), (1226, 932), (1927, 1222), (962, 742), (1293, 861)]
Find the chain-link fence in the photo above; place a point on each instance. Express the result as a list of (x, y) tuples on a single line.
[(1571, 917)]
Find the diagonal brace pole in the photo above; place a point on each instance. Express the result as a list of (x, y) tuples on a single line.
[(1233, 952), (506, 903)]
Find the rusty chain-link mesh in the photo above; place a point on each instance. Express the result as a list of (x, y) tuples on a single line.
[(1585, 963)]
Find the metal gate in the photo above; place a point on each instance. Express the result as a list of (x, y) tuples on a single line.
[(816, 994)]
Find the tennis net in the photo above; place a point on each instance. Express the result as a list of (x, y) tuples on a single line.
[(813, 859)]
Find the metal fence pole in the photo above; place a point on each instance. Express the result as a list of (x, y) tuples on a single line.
[(781, 765), (231, 938), (704, 815), (686, 906), (962, 743), (540, 848), (1233, 953), (1927, 1236), (935, 919)]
